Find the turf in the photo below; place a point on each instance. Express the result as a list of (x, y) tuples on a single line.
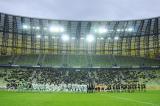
[(149, 98)]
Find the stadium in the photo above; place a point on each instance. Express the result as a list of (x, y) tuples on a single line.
[(79, 63)]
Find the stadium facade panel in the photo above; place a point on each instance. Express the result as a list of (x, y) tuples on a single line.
[(26, 35)]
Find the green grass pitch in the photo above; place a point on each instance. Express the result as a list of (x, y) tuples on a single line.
[(148, 98)]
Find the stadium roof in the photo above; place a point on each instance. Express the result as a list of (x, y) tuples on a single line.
[(83, 9), (82, 29)]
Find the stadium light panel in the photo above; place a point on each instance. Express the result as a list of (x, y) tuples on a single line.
[(56, 29), (38, 36), (53, 29), (61, 29), (118, 30), (90, 38), (65, 37), (25, 27), (34, 27), (101, 30), (116, 38), (102, 38), (130, 29), (37, 28)]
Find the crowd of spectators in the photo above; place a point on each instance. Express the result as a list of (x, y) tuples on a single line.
[(35, 78)]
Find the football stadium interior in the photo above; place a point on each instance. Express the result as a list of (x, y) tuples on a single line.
[(44, 55)]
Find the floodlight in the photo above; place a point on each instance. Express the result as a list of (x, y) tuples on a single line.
[(65, 37), (118, 30), (102, 30), (37, 28), (116, 38), (56, 29), (102, 38), (90, 38), (53, 29), (25, 27), (95, 30), (38, 36), (61, 29), (130, 29), (33, 27)]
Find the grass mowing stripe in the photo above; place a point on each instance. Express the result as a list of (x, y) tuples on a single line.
[(133, 100), (8, 98)]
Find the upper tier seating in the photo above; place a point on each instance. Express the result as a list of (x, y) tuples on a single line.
[(78, 60)]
